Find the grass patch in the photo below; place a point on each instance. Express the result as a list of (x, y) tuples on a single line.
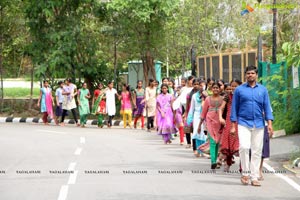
[(20, 92), (294, 155)]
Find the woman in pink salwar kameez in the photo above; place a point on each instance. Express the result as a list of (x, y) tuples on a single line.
[(210, 114)]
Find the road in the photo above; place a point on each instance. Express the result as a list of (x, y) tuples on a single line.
[(40, 162)]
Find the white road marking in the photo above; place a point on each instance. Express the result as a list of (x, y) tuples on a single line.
[(285, 178), (63, 192), (78, 151), (82, 140), (47, 131), (72, 178), (72, 166)]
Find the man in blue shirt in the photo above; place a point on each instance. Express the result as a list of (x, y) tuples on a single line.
[(250, 109)]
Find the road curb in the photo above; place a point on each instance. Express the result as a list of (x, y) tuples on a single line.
[(296, 172), (51, 121)]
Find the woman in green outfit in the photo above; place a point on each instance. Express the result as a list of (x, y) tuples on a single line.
[(83, 104)]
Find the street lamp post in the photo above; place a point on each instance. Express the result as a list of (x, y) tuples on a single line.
[(274, 60)]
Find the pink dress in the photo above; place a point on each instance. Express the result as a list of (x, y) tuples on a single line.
[(126, 103), (210, 113)]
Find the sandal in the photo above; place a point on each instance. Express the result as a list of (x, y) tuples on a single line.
[(245, 180), (214, 166), (255, 183), (261, 178)]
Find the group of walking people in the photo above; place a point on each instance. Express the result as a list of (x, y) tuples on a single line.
[(217, 120), (103, 102)]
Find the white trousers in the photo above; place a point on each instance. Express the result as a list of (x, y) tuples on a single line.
[(250, 138)]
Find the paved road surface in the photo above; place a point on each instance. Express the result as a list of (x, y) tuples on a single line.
[(87, 164)]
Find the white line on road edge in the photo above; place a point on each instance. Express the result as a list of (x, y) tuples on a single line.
[(82, 140), (72, 178), (78, 151), (72, 166), (47, 131), (288, 180), (63, 192)]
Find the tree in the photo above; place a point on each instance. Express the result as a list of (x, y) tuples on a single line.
[(65, 39), (144, 21)]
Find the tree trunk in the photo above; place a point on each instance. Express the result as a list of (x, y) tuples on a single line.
[(148, 67), (1, 57), (31, 87), (115, 61), (145, 71), (150, 64)]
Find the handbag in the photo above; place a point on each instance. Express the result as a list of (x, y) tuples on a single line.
[(188, 129)]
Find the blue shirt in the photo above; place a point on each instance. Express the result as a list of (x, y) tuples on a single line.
[(251, 106), (59, 94)]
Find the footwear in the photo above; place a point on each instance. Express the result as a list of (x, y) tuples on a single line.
[(196, 154), (218, 165), (226, 168), (188, 146), (255, 183), (245, 180), (214, 166), (261, 178), (181, 143), (206, 155)]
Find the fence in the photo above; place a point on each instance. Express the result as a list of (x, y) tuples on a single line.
[(225, 65), (283, 86)]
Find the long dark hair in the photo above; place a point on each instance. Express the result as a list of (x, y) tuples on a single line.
[(138, 83), (190, 77), (162, 80), (69, 80), (210, 79), (163, 85), (151, 80), (173, 82), (217, 84), (237, 81), (127, 87)]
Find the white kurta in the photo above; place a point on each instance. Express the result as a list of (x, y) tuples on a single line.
[(181, 100), (111, 101), (69, 100)]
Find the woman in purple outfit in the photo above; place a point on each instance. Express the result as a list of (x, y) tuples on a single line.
[(165, 115)]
